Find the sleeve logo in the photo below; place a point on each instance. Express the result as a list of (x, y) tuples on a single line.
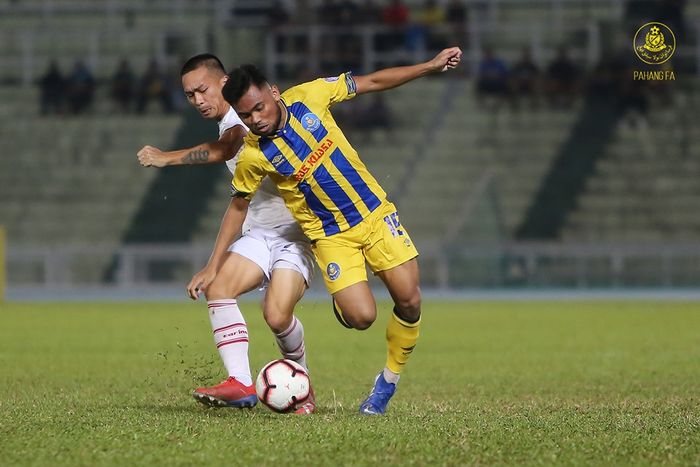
[(350, 83)]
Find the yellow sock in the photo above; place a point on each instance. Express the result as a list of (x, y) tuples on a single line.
[(401, 338)]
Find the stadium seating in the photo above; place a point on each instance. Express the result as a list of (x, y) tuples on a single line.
[(647, 187), (73, 180), (458, 172), (101, 33)]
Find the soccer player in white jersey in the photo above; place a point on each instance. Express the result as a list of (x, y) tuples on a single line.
[(272, 250)]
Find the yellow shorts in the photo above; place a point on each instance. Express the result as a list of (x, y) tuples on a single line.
[(379, 241)]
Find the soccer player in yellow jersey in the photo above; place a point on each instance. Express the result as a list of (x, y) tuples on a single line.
[(295, 142)]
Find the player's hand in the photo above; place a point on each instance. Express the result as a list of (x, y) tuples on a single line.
[(151, 156), (447, 59), (200, 282)]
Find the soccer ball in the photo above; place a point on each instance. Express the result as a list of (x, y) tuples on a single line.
[(282, 385)]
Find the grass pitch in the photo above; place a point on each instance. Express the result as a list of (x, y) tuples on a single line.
[(596, 383)]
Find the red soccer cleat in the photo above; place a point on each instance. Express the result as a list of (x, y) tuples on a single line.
[(308, 406), (230, 393)]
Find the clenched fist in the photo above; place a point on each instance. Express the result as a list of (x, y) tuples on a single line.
[(150, 156)]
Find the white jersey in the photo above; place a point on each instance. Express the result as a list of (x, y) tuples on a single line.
[(267, 209)]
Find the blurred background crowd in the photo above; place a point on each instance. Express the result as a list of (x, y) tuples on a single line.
[(540, 162)]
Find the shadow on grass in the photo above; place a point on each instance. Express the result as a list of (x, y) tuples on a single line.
[(195, 409)]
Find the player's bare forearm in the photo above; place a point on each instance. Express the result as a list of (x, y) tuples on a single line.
[(212, 152), (392, 77), (207, 153), (229, 230)]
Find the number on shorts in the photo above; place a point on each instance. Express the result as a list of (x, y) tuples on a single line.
[(392, 220)]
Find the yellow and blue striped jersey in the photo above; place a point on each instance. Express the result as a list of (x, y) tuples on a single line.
[(319, 175)]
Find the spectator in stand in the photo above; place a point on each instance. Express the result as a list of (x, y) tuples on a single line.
[(369, 13), (52, 87), (154, 85), (122, 86), (492, 79), (525, 79), (278, 17), (277, 14), (81, 88), (329, 12), (396, 15), (348, 13), (430, 17), (349, 40), (456, 16), (562, 82), (302, 13)]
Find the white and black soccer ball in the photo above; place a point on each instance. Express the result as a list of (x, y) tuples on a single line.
[(282, 385)]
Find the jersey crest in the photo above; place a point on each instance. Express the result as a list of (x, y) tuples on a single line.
[(310, 122)]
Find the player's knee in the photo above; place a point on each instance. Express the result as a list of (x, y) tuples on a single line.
[(220, 289), (278, 322), (277, 317), (360, 323), (357, 308), (215, 293), (361, 319), (410, 301), (408, 308)]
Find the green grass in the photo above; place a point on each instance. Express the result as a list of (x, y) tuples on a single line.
[(597, 383)]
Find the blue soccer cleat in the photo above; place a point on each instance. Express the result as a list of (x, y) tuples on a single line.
[(378, 399)]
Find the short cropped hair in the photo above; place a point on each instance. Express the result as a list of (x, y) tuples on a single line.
[(240, 80), (210, 61)]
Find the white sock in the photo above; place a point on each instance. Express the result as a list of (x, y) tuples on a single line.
[(231, 337), (291, 343), (390, 376)]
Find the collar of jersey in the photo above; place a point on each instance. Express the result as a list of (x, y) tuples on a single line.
[(278, 133)]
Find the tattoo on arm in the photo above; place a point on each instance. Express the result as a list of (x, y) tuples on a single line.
[(197, 156)]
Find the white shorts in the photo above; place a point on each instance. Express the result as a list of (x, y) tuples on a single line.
[(270, 250)]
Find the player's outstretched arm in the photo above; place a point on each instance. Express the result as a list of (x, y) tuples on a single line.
[(230, 229), (212, 152), (392, 77)]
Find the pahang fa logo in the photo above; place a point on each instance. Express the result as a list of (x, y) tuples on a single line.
[(654, 43)]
